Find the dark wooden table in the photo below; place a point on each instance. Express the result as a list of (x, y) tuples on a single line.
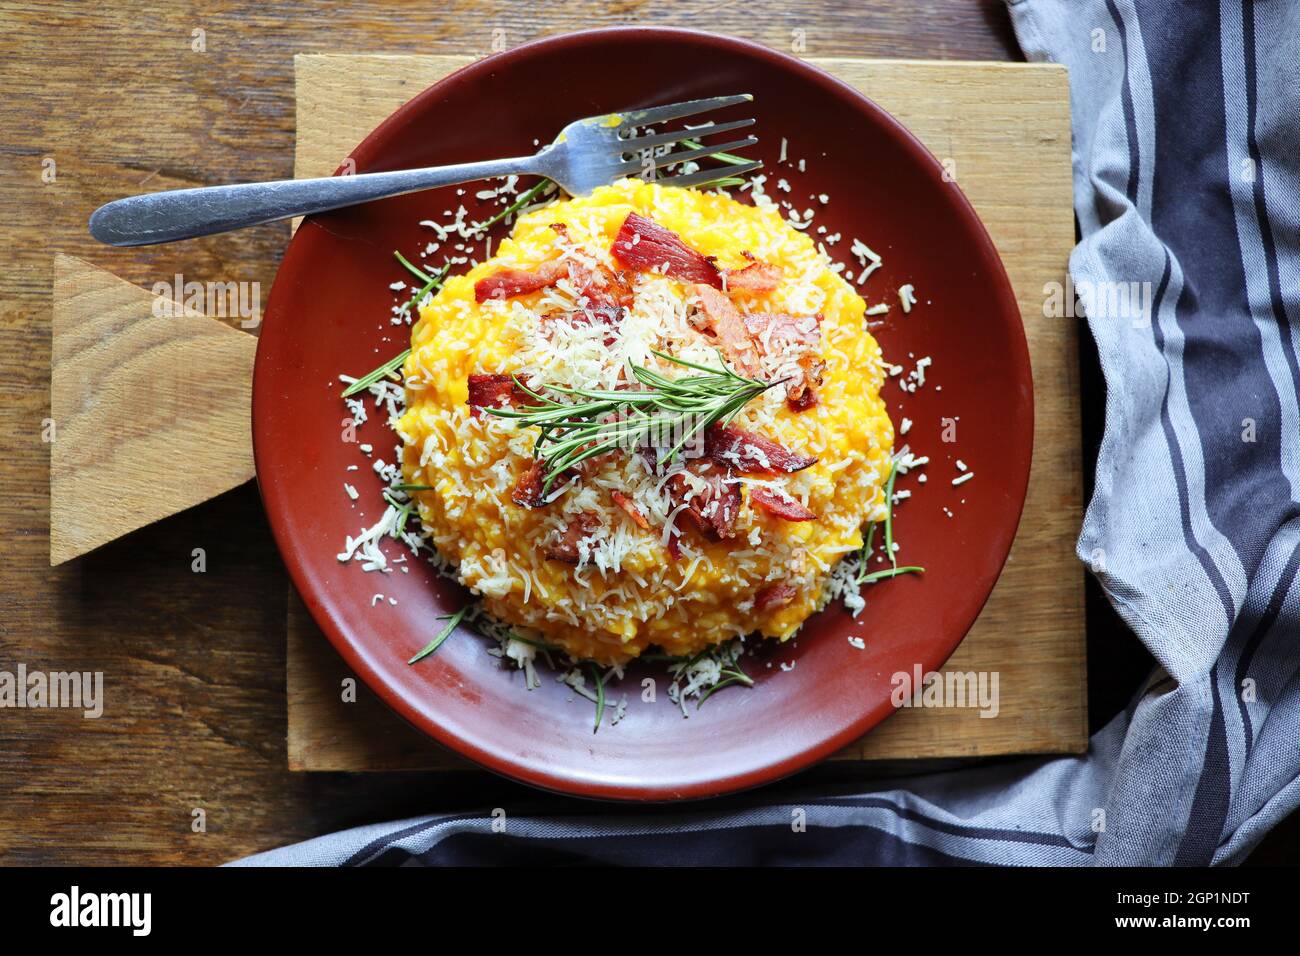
[(120, 101)]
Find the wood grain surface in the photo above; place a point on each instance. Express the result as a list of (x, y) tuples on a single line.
[(986, 118), (112, 100), (151, 402)]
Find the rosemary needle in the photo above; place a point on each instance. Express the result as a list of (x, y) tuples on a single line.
[(365, 381), (414, 270), (600, 695), (452, 621), (435, 281), (889, 514), (403, 513), (733, 675), (889, 573), (731, 159), (524, 199)]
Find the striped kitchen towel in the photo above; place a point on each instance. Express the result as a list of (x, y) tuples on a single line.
[(1187, 189)]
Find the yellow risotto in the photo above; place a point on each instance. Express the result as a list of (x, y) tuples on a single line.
[(739, 535)]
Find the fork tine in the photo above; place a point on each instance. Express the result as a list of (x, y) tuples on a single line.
[(709, 175), (672, 111), (682, 156), (676, 136)]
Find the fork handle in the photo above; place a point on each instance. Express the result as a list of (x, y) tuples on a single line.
[(189, 213)]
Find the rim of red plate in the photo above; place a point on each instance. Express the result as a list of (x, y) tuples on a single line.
[(276, 488)]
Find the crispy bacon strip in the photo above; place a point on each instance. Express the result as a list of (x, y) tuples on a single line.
[(774, 596), (493, 391), (755, 277), (804, 402), (744, 339), (724, 508), (565, 547), (779, 333), (775, 333), (714, 510), (604, 290), (600, 300), (812, 367), (779, 505), (508, 283), (633, 512), (749, 453), (674, 546), (609, 317), (528, 486), (645, 245), (724, 322), (601, 287)]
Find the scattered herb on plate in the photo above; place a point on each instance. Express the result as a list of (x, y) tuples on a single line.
[(452, 621)]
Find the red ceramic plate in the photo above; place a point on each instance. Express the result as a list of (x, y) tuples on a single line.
[(328, 313)]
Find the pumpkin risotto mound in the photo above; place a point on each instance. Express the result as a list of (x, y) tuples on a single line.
[(739, 534)]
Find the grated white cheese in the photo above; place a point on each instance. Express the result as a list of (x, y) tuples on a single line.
[(907, 297)]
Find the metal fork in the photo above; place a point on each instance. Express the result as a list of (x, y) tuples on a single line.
[(588, 153)]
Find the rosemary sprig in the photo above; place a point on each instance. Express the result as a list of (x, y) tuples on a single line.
[(604, 420), (524, 199), (433, 282), (731, 675), (868, 577), (403, 513), (365, 381), (868, 546), (729, 672), (414, 270), (452, 621)]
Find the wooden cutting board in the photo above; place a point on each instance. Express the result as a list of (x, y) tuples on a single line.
[(136, 385), (1005, 129)]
